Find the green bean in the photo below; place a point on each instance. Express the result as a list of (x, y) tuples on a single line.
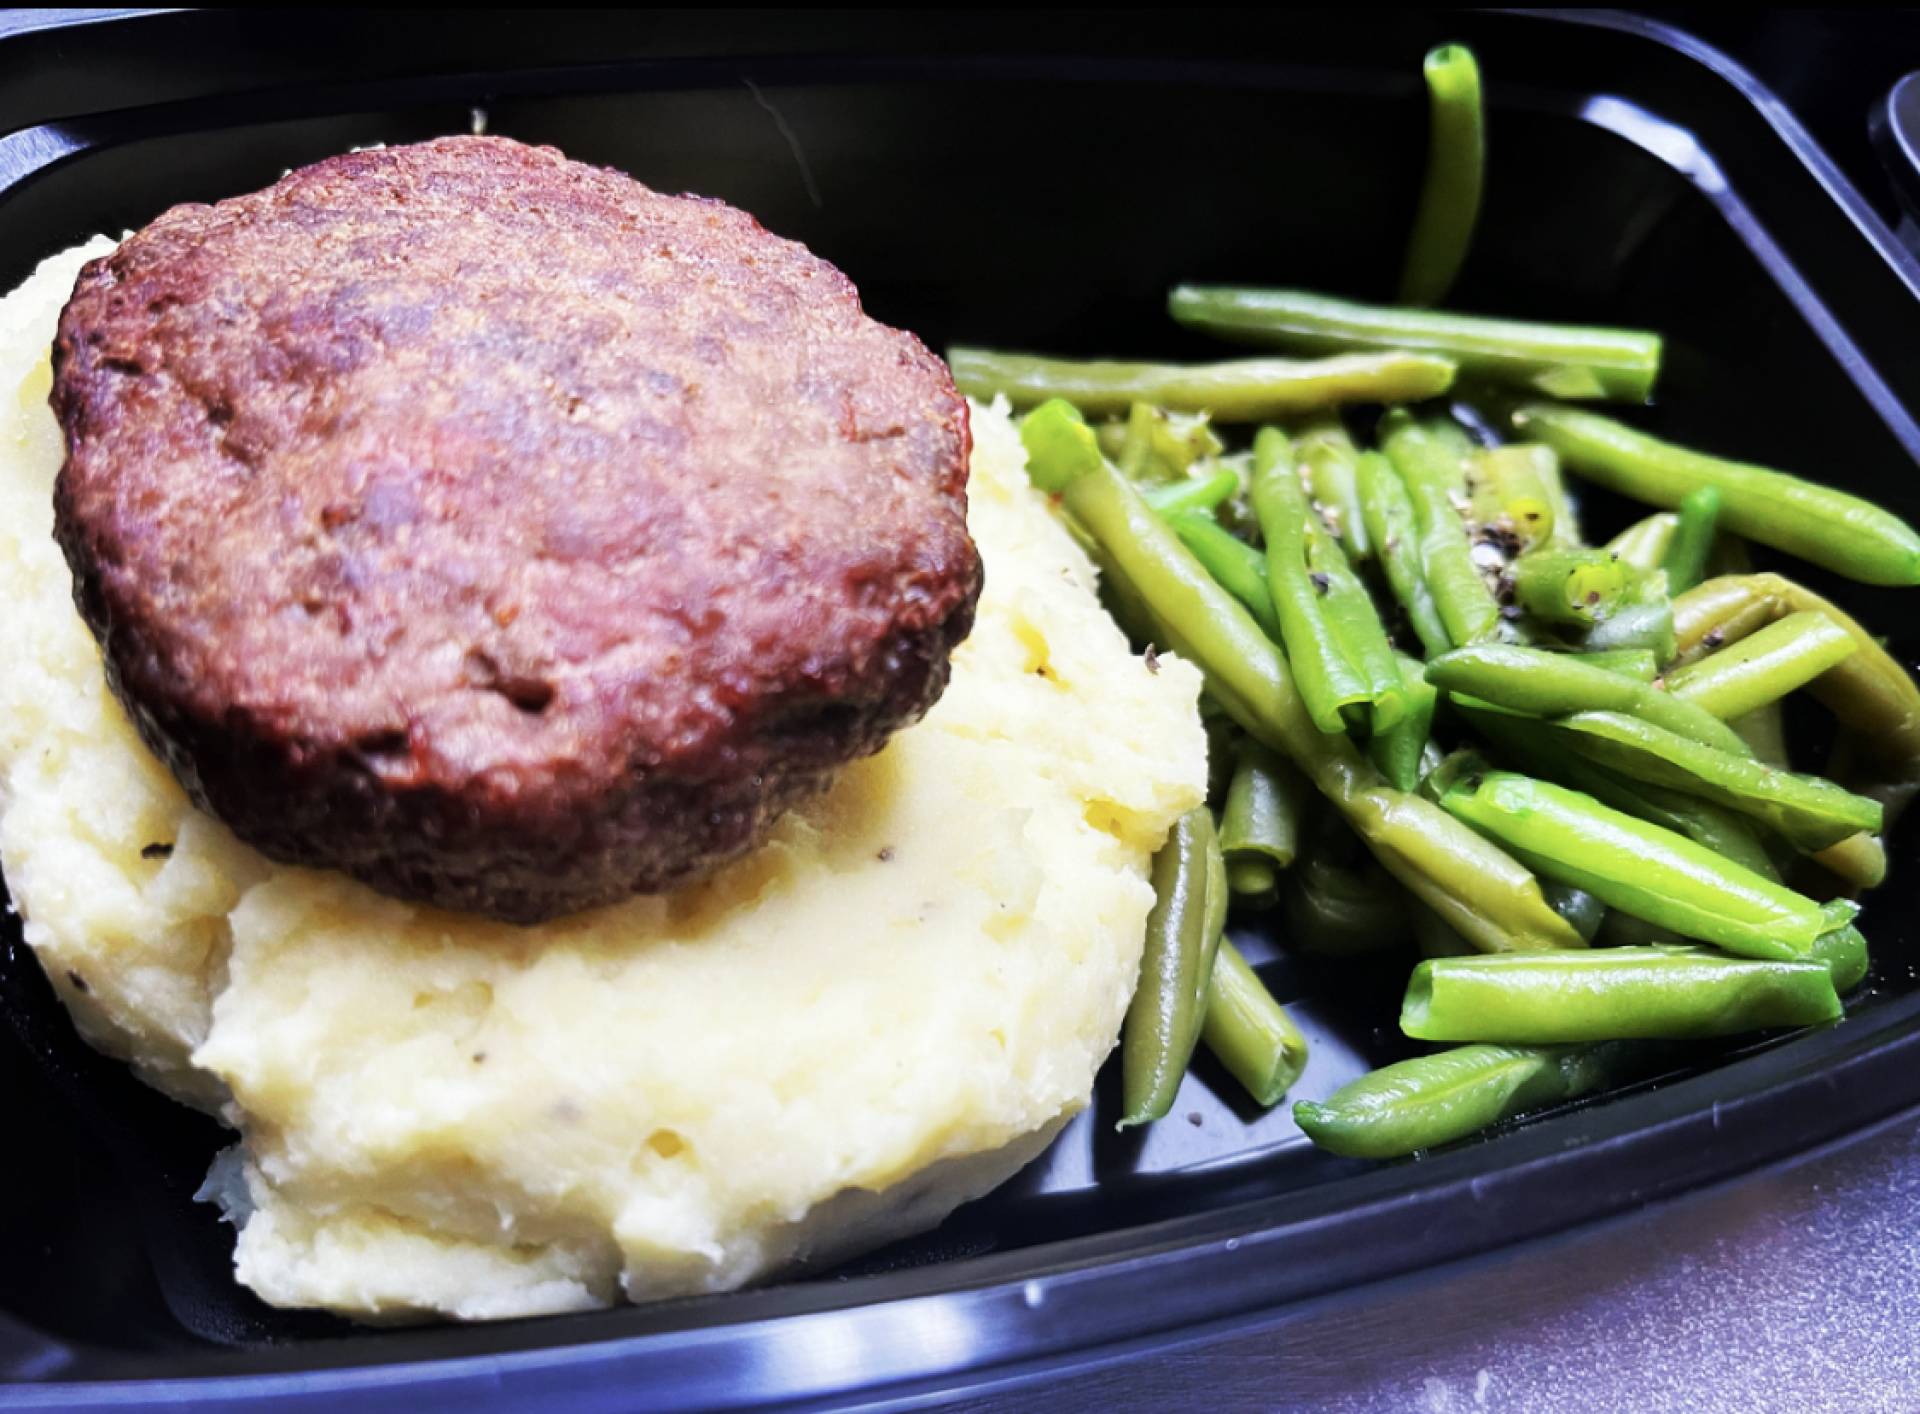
[(1163, 1021), (1763, 667), (1612, 994), (1644, 544), (1334, 640), (1240, 569), (1543, 684), (1456, 170), (1193, 494), (1327, 454), (1638, 868), (1686, 558), (1430, 458), (1264, 805), (1242, 390), (1827, 526), (1480, 891), (1858, 861), (1844, 950), (1507, 489), (1391, 528), (1250, 1033), (1431, 1100), (1558, 360), (1566, 520), (1764, 730), (1157, 445), (1644, 620), (1638, 663), (1538, 750), (1059, 445), (1868, 692), (1809, 812), (1253, 878), (1343, 912), (1559, 585), (1398, 750)]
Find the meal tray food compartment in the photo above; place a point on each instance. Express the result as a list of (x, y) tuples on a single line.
[(1033, 183)]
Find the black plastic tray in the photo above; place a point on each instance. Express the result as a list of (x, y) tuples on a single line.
[(1023, 180)]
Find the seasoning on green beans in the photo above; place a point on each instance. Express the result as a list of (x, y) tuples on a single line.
[(1392, 530), (1764, 666), (1334, 639), (1430, 457), (1543, 684), (1637, 867), (1153, 444), (1249, 1032), (1561, 585), (1241, 390), (1417, 1104), (1507, 491), (1560, 360), (1164, 1019), (1686, 559), (1809, 812), (1330, 461), (1612, 994), (1827, 526)]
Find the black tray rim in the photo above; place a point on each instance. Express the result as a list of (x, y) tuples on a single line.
[(897, 1336)]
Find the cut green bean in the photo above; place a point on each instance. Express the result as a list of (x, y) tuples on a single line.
[(1059, 445), (1195, 493), (1537, 749), (1822, 524), (1430, 457), (1560, 585), (1431, 1100), (1163, 1021), (1456, 169), (1264, 806), (1481, 892), (1844, 950), (1241, 390), (1644, 544), (1809, 812), (1334, 640), (1398, 750), (1328, 457), (1156, 445), (1250, 1033), (1240, 569), (1686, 559), (1543, 684), (1613, 994), (1253, 879), (1765, 666), (1868, 692), (1394, 534), (1858, 861), (1638, 868), (1558, 360), (1507, 490)]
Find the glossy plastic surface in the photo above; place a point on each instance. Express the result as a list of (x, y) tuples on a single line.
[(1035, 184)]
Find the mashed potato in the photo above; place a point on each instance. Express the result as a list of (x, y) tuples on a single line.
[(882, 1013)]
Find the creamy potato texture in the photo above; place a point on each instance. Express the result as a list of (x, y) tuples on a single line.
[(879, 1015)]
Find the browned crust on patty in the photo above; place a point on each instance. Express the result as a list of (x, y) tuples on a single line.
[(497, 530)]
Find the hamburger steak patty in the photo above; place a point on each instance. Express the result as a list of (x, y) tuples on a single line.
[(499, 531)]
